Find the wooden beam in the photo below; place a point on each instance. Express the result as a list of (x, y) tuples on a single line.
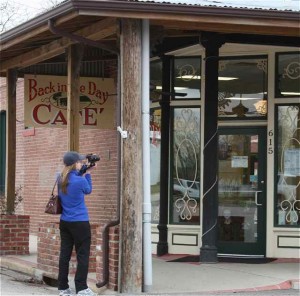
[(11, 82), (97, 31), (226, 24), (75, 53), (233, 26), (131, 224)]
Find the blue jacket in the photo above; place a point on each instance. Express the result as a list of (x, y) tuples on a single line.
[(73, 204)]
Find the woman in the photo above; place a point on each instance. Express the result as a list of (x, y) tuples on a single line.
[(74, 224)]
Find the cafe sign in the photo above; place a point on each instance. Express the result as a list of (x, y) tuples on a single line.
[(46, 101)]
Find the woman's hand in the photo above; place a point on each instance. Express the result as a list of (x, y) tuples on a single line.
[(90, 169)]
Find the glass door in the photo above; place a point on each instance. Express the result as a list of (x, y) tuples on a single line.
[(242, 191)]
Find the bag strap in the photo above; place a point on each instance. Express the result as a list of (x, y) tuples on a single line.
[(55, 184)]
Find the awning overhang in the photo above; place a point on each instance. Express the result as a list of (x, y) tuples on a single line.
[(33, 42)]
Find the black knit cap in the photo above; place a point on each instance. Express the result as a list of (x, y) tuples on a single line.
[(72, 157)]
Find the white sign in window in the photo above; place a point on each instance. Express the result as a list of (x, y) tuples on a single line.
[(239, 161), (292, 162)]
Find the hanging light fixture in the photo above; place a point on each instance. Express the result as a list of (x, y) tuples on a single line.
[(261, 106)]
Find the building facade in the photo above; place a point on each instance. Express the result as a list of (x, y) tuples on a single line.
[(258, 126), (223, 123)]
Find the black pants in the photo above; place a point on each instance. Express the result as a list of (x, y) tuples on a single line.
[(78, 234)]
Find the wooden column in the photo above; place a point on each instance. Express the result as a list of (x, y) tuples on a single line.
[(131, 216), (10, 181), (208, 251), (162, 245), (75, 53)]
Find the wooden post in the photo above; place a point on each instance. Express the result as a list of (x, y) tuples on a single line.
[(75, 53), (11, 83), (131, 218)]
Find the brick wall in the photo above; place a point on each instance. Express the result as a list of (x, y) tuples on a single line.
[(113, 257), (14, 233), (43, 160), (19, 139), (49, 247), (39, 153)]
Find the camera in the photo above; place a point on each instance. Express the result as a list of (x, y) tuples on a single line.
[(92, 159)]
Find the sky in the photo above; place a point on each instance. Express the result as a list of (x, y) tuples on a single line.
[(19, 11), (35, 6)]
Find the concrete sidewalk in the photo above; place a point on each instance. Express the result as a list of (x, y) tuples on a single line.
[(178, 277)]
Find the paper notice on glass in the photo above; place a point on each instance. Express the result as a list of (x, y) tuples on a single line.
[(239, 161), (292, 162), (253, 178)]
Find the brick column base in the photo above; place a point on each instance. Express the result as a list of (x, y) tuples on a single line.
[(48, 248), (113, 257), (14, 233)]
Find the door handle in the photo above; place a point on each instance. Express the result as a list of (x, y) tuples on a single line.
[(256, 197)]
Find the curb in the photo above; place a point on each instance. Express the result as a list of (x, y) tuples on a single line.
[(18, 265)]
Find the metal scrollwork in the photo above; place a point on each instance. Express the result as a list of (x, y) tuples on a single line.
[(292, 71), (262, 65), (290, 205), (186, 206), (187, 72), (186, 125)]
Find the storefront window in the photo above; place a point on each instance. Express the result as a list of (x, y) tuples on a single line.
[(187, 77), (288, 166), (155, 80), (287, 82), (243, 88), (185, 169), (155, 140)]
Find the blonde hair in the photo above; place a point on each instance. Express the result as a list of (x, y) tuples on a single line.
[(65, 177)]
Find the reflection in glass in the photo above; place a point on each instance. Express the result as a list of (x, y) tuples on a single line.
[(155, 80), (243, 88), (238, 187), (155, 140), (288, 168), (185, 196)]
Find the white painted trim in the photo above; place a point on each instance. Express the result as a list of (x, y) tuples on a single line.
[(270, 157)]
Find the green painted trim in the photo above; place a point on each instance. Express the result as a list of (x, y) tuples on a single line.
[(258, 248), (2, 150)]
